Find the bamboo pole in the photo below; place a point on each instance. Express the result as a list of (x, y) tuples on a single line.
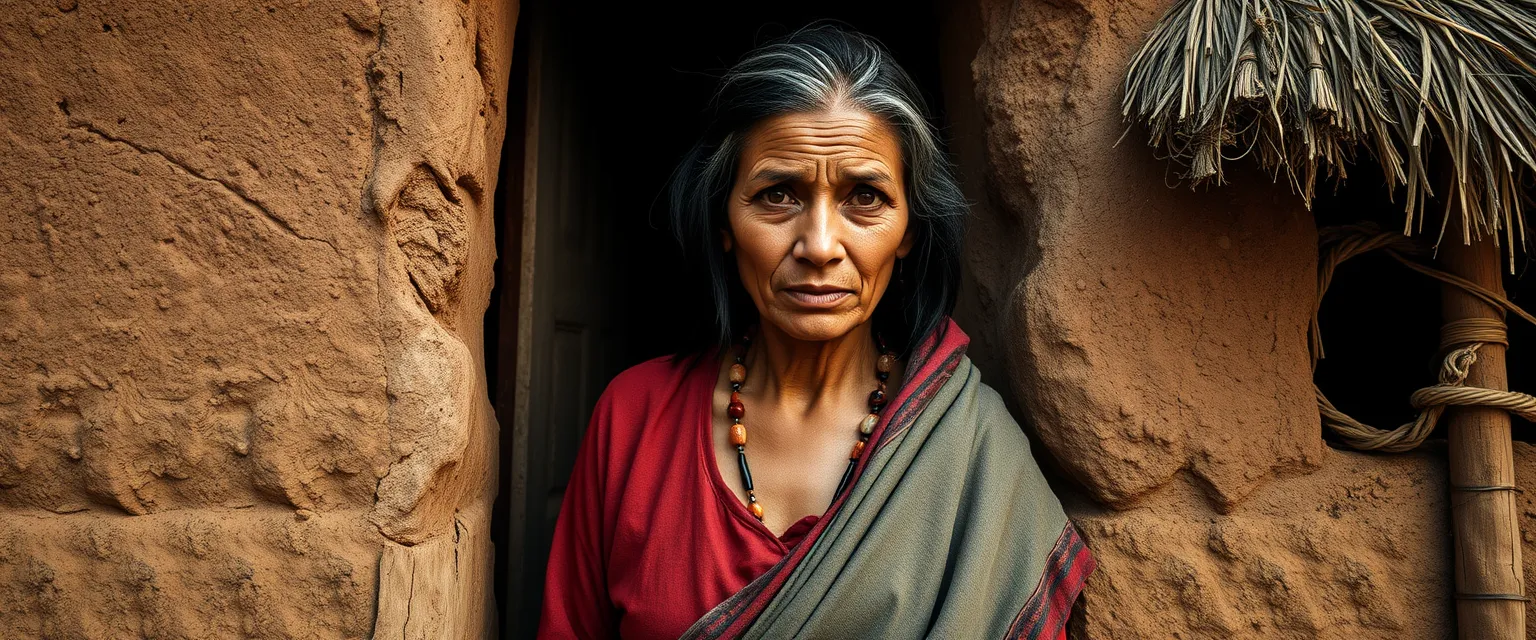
[(1484, 522)]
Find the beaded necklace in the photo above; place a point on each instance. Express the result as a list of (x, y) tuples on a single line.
[(737, 411)]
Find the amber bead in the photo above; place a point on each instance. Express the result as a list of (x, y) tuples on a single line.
[(877, 398), (735, 410), (886, 362), (868, 425), (738, 434), (858, 448), (738, 373), (757, 510)]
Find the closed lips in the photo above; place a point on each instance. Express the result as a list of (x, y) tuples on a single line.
[(817, 294)]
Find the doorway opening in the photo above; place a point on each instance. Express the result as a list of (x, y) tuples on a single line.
[(603, 104), (1381, 321)]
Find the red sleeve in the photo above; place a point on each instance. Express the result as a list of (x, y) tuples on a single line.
[(576, 602)]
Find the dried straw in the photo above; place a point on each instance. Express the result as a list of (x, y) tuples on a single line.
[(1303, 84)]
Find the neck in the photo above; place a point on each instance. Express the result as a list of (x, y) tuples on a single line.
[(805, 373)]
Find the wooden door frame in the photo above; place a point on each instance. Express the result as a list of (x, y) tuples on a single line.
[(514, 351)]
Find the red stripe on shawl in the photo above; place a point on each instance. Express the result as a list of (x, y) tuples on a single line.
[(934, 361), (1044, 615)]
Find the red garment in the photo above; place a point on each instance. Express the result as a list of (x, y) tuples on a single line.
[(650, 538)]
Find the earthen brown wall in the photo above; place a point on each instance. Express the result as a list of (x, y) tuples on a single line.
[(1155, 339), (245, 251)]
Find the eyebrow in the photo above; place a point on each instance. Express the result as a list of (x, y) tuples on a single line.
[(866, 174), (775, 175)]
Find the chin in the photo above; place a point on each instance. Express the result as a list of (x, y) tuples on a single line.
[(814, 327)]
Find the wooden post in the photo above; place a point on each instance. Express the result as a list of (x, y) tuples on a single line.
[(1484, 523)]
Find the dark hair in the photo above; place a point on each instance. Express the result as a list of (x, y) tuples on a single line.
[(815, 68)]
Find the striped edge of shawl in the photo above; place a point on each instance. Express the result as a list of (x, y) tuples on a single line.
[(1066, 570)]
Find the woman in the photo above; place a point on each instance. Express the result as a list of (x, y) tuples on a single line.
[(834, 467)]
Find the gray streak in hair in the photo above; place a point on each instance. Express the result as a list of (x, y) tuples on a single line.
[(816, 68)]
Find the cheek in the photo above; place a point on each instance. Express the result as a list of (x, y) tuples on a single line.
[(880, 245), (758, 248)]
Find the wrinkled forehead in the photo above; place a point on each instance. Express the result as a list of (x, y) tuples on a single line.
[(828, 141)]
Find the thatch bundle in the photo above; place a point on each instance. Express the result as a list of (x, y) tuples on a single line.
[(1303, 84)]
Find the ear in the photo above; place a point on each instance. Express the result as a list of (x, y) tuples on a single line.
[(907, 240), (726, 241)]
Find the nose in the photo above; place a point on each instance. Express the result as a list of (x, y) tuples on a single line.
[(820, 234)]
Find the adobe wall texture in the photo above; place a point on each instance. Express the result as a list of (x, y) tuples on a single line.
[(245, 252), (1155, 339)]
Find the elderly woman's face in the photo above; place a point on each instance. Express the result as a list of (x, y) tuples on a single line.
[(818, 217)]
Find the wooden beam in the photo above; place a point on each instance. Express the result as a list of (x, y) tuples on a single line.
[(517, 368), (1484, 522)]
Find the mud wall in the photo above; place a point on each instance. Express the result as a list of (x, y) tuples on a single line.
[(245, 251), (1154, 338)]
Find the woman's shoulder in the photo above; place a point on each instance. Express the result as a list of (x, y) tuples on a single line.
[(656, 386), (655, 394), (995, 421), (659, 375)]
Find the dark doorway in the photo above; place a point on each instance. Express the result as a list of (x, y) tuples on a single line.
[(589, 278), (1381, 321)]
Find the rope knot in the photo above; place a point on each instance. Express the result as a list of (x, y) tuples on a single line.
[(1458, 364), (1459, 340)]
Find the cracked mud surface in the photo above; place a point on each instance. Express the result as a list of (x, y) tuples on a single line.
[(1156, 340), (240, 352)]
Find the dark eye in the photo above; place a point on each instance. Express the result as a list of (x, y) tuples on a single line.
[(865, 198), (777, 196)]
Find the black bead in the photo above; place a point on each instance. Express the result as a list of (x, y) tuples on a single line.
[(741, 461), (843, 484), (883, 376)]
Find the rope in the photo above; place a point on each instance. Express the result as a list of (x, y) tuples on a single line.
[(1460, 339), (1492, 596), (1490, 487), (1470, 330)]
